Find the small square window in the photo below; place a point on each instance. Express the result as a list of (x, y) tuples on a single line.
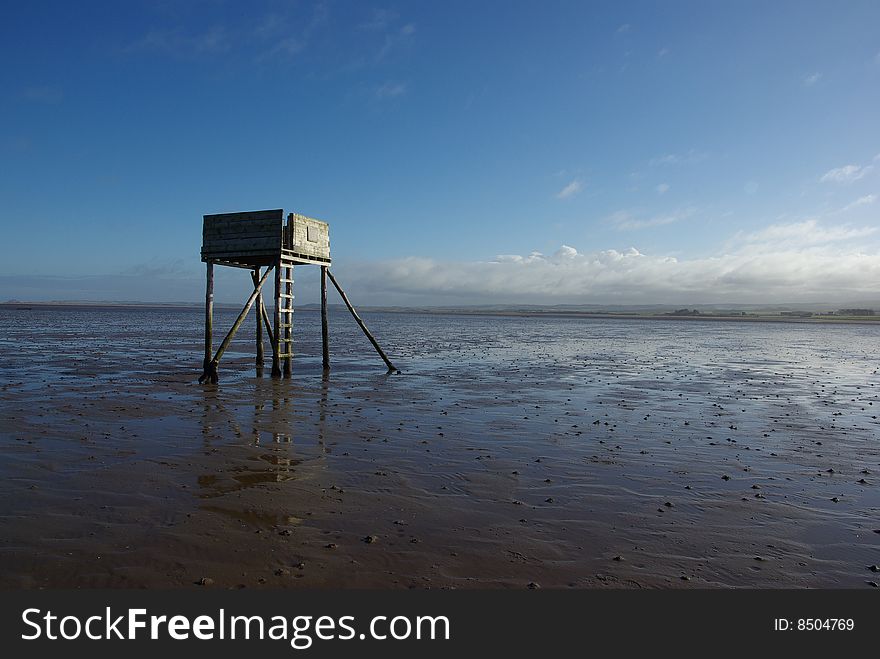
[(312, 234)]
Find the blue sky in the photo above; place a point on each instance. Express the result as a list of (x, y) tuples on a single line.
[(463, 152)]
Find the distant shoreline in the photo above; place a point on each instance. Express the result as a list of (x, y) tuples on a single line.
[(585, 315)]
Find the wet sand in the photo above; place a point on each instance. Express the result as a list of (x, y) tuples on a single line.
[(558, 453)]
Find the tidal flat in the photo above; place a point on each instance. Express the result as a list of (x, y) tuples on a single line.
[(508, 453)]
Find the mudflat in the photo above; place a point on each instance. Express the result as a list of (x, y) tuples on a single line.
[(510, 452)]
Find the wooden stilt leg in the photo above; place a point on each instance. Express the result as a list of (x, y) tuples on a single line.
[(325, 334), (209, 314), (391, 367), (276, 352), (259, 317), (267, 324), (211, 370)]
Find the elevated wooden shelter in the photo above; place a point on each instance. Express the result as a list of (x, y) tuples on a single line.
[(256, 240)]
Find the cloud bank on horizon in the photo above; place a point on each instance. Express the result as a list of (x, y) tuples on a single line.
[(796, 262)]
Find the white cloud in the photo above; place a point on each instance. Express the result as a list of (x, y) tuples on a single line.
[(390, 90), (289, 46), (293, 34), (380, 19), (845, 174), (626, 221), (570, 190), (623, 29), (806, 233), (663, 188), (663, 52), (812, 79), (803, 261), (393, 38), (176, 42), (688, 157), (861, 201), (566, 252)]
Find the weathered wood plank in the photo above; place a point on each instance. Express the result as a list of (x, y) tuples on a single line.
[(242, 243), (251, 262), (255, 275), (314, 233), (308, 236), (303, 259), (268, 227), (209, 314), (276, 350), (268, 326), (218, 236), (232, 255), (288, 330), (243, 252), (275, 213), (325, 333)]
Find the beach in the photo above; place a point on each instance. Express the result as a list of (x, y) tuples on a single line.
[(510, 452)]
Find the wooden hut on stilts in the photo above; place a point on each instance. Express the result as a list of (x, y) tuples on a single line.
[(263, 239)]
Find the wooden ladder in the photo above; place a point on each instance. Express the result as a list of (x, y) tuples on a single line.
[(284, 317)]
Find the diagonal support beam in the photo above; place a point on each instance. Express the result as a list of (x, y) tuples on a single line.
[(211, 369), (266, 324), (391, 367)]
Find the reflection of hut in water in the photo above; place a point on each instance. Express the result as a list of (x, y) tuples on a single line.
[(272, 457), (263, 239)]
